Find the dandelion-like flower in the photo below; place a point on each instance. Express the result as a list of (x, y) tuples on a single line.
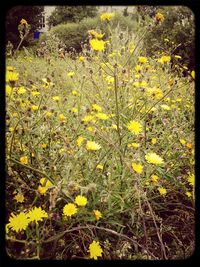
[(154, 159), (107, 16), (159, 17), (97, 45), (24, 160), (69, 209), (36, 215), (81, 201), (142, 59), (92, 146), (191, 179), (18, 222), (19, 198), (97, 214), (137, 167), (79, 141), (135, 127), (162, 191), (95, 250)]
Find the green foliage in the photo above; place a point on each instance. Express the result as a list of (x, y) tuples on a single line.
[(13, 18), (63, 14), (178, 26)]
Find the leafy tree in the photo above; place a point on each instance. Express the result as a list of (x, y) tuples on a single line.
[(63, 14), (31, 14)]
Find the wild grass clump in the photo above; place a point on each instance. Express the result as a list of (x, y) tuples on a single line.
[(100, 153)]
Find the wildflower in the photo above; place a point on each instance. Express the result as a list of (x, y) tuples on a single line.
[(97, 214), (162, 191), (100, 166), (143, 59), (62, 117), (95, 250), (182, 141), (24, 22), (47, 182), (138, 68), (165, 107), (49, 114), (135, 145), (102, 116), (42, 189), (34, 107), (164, 59), (21, 90), (88, 118), (154, 178), (189, 145), (159, 17), (8, 90), (79, 141), (69, 209), (71, 74), (18, 222), (19, 198), (35, 93), (43, 145), (153, 141), (74, 110), (114, 126), (92, 146), (12, 76), (24, 160), (81, 201), (154, 159), (96, 107), (99, 35), (135, 127), (191, 179), (137, 167), (81, 59), (36, 214), (97, 45), (107, 16), (188, 194), (56, 98), (193, 74)]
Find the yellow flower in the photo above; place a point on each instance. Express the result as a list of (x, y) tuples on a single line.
[(74, 110), (69, 209), (189, 145), (135, 145), (137, 167), (107, 16), (154, 159), (42, 189), (138, 68), (36, 215), (193, 74), (165, 107), (88, 118), (34, 107), (162, 191), (188, 194), (143, 59), (154, 178), (34, 93), (8, 90), (79, 141), (23, 22), (48, 114), (182, 141), (24, 160), (153, 141), (97, 214), (102, 116), (19, 198), (47, 183), (97, 45), (71, 74), (95, 250), (43, 145), (81, 201), (191, 179), (56, 98), (164, 59), (92, 146), (100, 166), (99, 35), (96, 107), (159, 17), (135, 127), (12, 76), (62, 117), (81, 59), (21, 90), (18, 222)]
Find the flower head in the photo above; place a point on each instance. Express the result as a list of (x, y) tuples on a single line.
[(135, 127), (191, 179), (164, 59), (159, 17), (69, 209), (97, 45), (23, 22), (137, 167), (142, 59), (18, 222), (95, 250), (36, 214), (154, 159), (24, 160), (90, 145), (79, 141), (162, 191), (107, 16), (19, 198), (97, 214), (81, 201)]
